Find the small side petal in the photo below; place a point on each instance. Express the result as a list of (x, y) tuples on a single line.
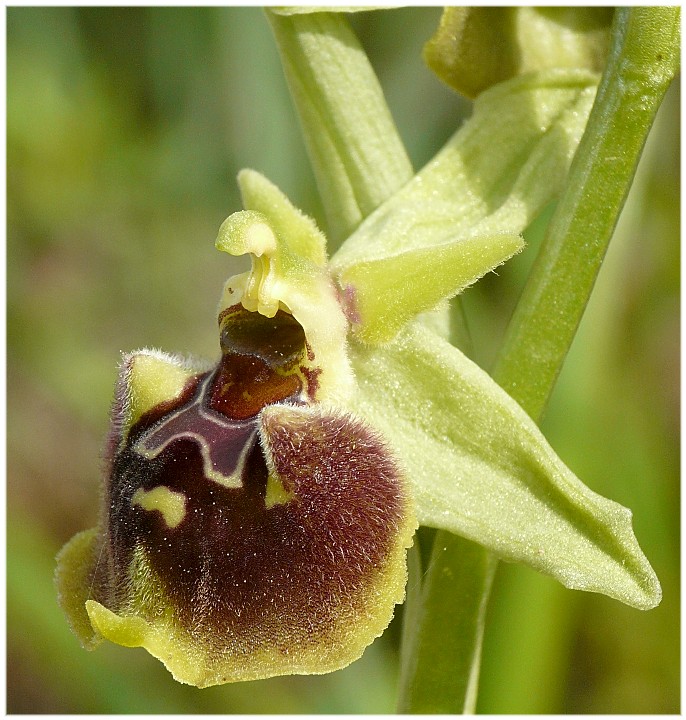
[(385, 294), (481, 468), (492, 178)]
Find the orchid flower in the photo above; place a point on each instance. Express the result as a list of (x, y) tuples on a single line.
[(257, 510)]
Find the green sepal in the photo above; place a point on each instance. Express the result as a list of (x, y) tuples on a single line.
[(487, 184), (301, 232), (481, 468), (475, 48)]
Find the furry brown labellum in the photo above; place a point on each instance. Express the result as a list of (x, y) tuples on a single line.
[(248, 530)]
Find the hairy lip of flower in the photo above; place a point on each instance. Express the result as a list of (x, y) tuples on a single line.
[(249, 531)]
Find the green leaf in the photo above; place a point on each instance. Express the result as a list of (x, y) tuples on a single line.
[(353, 145), (481, 468), (475, 48), (486, 185)]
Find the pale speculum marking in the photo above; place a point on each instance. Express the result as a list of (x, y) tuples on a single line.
[(171, 504)]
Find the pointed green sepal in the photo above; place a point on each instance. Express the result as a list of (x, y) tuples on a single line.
[(481, 468)]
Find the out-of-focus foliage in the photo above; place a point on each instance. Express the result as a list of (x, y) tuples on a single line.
[(126, 128)]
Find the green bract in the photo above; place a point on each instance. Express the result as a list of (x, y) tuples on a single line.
[(477, 47)]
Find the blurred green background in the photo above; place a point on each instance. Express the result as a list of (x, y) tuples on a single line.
[(126, 128)]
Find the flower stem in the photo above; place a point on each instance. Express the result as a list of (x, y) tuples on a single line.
[(448, 620), (446, 646), (643, 60)]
